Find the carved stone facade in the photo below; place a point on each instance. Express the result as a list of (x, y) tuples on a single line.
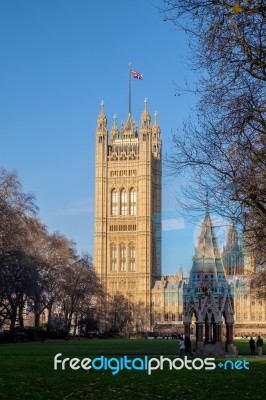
[(249, 311), (128, 189), (127, 254)]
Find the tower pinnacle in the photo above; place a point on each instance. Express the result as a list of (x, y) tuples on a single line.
[(155, 118), (114, 130), (145, 117), (102, 120)]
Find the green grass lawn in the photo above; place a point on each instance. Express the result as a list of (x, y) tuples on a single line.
[(26, 372)]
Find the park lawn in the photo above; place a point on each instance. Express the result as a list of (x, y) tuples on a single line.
[(26, 373)]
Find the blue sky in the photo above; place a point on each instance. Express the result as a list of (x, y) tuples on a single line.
[(59, 59)]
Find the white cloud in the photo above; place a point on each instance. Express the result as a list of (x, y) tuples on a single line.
[(173, 224)]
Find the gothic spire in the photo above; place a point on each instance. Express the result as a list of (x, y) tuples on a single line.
[(129, 129), (102, 120), (207, 262), (155, 128), (114, 130), (145, 117), (231, 236)]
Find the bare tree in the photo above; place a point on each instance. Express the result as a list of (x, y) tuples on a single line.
[(223, 149), (17, 211), (120, 314), (58, 253), (79, 288), (39, 271)]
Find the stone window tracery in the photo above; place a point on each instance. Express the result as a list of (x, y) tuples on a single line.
[(133, 202), (113, 257), (132, 259), (123, 202), (114, 202), (122, 257)]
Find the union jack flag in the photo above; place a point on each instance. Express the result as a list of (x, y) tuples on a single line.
[(136, 74)]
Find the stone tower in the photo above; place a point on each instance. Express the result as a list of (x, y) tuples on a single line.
[(233, 253), (208, 296), (127, 249)]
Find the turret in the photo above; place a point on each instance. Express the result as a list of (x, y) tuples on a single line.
[(233, 253), (102, 132), (145, 117), (102, 120), (156, 138), (231, 238), (145, 130), (180, 273), (114, 131)]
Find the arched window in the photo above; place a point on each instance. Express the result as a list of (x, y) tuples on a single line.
[(132, 257), (113, 257), (123, 257), (114, 202), (133, 202), (123, 202)]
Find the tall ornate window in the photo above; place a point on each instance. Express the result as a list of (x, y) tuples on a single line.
[(123, 257), (123, 202), (132, 257), (114, 202), (113, 257), (133, 202)]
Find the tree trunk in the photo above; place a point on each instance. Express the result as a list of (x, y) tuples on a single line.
[(49, 318), (20, 314)]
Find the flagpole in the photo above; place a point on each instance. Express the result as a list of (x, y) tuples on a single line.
[(129, 90)]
